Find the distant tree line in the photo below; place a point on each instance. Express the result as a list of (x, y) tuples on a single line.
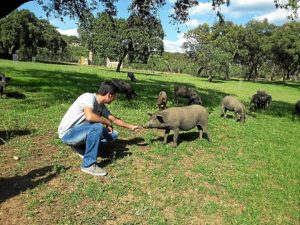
[(258, 49), (24, 34)]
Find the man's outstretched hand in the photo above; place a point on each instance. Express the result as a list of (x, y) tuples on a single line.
[(136, 128)]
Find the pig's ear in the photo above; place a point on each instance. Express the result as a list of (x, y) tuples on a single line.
[(150, 114), (160, 118)]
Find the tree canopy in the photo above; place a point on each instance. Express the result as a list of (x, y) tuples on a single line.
[(21, 31), (79, 8), (135, 37), (217, 49)]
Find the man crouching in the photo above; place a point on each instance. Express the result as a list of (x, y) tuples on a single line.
[(89, 122)]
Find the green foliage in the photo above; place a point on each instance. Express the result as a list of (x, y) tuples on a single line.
[(136, 37), (286, 49), (166, 62), (179, 14), (259, 48), (21, 32)]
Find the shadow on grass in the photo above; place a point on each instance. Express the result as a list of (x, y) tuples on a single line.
[(15, 95), (116, 150), (6, 135), (12, 186), (61, 86), (58, 63), (278, 109), (182, 137), (278, 83)]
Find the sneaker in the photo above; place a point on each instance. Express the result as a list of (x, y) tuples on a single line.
[(78, 151), (94, 170)]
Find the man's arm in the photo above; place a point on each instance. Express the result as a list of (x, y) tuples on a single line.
[(93, 117), (122, 123)]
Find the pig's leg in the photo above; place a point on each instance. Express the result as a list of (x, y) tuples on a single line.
[(205, 131), (223, 111), (176, 133), (167, 131), (200, 131), (237, 116)]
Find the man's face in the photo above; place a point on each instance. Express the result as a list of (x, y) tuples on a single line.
[(110, 98)]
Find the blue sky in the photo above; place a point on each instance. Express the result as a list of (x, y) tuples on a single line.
[(240, 12)]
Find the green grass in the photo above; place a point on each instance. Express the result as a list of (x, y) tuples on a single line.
[(248, 174)]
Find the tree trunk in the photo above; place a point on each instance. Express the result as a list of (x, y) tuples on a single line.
[(199, 71), (121, 61), (284, 75), (119, 65), (272, 72), (169, 68), (226, 77), (288, 76)]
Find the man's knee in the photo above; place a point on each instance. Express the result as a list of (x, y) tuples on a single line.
[(96, 128)]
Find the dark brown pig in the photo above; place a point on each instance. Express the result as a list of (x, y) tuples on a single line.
[(131, 76), (260, 100), (232, 104), (3, 82), (180, 118), (186, 92), (162, 100), (126, 88)]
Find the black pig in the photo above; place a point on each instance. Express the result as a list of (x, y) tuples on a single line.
[(186, 92), (3, 82), (126, 88), (131, 76), (260, 100)]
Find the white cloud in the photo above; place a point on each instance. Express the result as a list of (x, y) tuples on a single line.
[(69, 32), (175, 46), (192, 23), (276, 16), (238, 9), (201, 9), (257, 9), (252, 5)]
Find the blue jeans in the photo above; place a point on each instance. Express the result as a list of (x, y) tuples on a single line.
[(92, 134)]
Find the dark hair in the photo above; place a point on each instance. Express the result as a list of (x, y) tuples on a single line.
[(107, 87)]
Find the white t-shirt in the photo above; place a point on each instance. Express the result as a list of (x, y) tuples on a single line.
[(75, 114)]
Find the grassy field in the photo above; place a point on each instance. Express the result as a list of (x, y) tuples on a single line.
[(248, 174)]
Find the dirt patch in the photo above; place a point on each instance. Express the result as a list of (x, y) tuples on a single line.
[(21, 176)]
